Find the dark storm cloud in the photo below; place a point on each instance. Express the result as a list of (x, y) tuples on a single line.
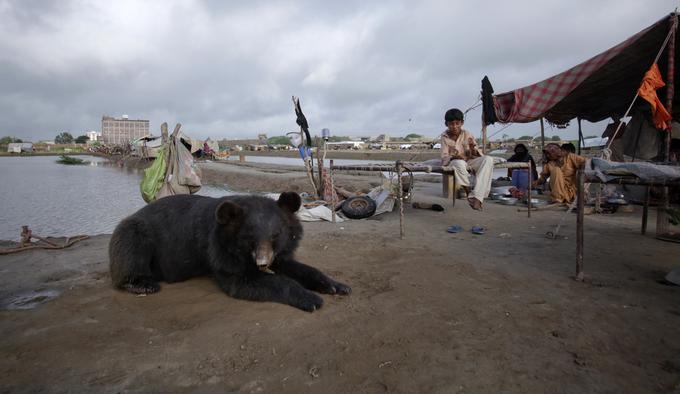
[(228, 69)]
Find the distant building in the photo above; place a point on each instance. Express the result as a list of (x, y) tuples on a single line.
[(120, 131), (93, 135), (19, 147)]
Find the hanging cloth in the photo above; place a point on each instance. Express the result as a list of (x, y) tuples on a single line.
[(650, 83)]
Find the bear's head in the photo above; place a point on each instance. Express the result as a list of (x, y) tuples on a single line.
[(260, 228)]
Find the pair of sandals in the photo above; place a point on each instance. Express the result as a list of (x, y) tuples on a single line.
[(478, 230)]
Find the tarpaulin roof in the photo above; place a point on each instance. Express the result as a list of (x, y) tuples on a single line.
[(594, 90)]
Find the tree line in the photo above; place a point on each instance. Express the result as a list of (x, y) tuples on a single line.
[(61, 138), (67, 138)]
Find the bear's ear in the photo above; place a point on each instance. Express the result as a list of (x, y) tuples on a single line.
[(230, 214), (289, 201)]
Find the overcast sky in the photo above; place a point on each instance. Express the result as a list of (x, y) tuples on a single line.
[(228, 69)]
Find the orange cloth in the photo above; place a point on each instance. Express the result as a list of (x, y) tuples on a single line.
[(647, 91)]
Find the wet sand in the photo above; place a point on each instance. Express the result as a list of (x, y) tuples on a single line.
[(434, 312)]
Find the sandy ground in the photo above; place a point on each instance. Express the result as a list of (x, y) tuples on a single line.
[(435, 312)]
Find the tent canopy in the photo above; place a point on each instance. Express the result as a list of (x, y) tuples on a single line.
[(601, 87)]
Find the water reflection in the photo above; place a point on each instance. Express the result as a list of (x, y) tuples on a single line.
[(63, 200)]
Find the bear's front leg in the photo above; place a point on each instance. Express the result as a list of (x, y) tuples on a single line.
[(261, 286), (309, 277)]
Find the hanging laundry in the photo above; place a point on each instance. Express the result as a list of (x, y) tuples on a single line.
[(650, 83)]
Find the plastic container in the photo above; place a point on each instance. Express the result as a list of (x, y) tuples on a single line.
[(520, 179)]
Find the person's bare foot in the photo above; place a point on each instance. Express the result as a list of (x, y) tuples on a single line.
[(475, 204)]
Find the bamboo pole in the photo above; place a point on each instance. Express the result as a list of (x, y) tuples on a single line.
[(484, 140), (330, 174), (580, 135), (529, 192), (579, 223), (645, 211), (542, 136), (662, 207), (319, 167), (400, 195)]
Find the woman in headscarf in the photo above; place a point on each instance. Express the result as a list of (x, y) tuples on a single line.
[(522, 156)]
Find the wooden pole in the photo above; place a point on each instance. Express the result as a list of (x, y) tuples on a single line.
[(330, 174), (400, 196), (670, 80), (580, 135), (529, 192), (319, 167), (542, 136), (164, 133), (579, 223), (661, 208), (484, 141), (645, 211)]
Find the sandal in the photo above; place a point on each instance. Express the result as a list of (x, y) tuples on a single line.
[(454, 229), (478, 230)]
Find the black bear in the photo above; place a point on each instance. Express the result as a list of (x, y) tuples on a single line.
[(247, 243)]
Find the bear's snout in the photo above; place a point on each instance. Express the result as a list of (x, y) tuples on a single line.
[(264, 254)]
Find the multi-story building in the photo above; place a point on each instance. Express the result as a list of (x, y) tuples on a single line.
[(122, 131)]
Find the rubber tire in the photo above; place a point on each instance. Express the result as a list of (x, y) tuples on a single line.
[(358, 207)]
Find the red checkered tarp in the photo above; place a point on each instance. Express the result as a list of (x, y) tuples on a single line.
[(593, 90)]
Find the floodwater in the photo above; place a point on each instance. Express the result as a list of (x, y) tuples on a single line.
[(65, 200)]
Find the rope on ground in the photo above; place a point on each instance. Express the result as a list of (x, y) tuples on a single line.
[(26, 244)]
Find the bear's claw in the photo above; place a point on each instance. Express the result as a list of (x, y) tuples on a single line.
[(310, 302), (341, 288), (142, 287)]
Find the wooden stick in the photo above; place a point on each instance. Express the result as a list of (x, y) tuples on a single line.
[(548, 207), (343, 192), (483, 138), (662, 207), (400, 195), (579, 224), (330, 174), (319, 167), (542, 136), (529, 191), (645, 211)]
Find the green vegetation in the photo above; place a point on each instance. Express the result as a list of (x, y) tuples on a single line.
[(555, 138), (63, 159), (63, 138), (8, 140), (338, 138), (413, 136), (82, 139), (278, 140)]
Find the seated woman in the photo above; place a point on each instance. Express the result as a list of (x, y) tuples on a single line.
[(522, 156), (561, 169)]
